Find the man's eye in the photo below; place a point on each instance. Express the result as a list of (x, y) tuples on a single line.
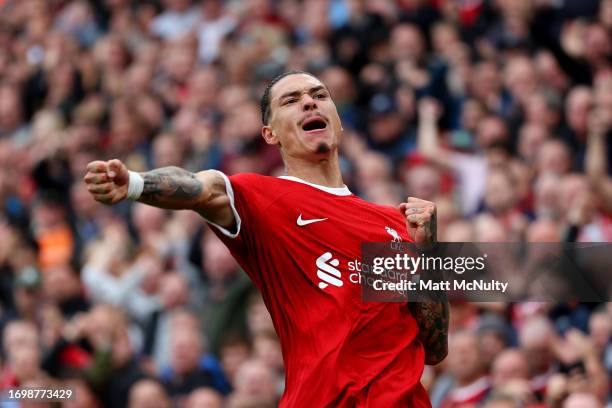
[(290, 101), (320, 96)]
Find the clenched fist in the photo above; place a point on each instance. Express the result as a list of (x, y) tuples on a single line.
[(420, 220), (107, 181)]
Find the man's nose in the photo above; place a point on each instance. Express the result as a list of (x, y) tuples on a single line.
[(308, 102)]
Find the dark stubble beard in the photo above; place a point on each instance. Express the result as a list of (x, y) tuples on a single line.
[(323, 148)]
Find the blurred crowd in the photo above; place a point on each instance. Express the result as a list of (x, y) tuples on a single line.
[(500, 111)]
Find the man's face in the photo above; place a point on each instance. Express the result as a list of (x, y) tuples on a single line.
[(499, 192), (304, 121), (186, 350), (508, 366), (465, 359), (489, 131)]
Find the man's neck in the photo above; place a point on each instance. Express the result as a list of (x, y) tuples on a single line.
[(324, 172)]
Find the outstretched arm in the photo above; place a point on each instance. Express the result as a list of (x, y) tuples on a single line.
[(433, 316), (427, 134), (167, 187)]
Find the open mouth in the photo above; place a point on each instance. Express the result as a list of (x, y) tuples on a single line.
[(312, 124)]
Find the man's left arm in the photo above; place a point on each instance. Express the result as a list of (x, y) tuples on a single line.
[(432, 317)]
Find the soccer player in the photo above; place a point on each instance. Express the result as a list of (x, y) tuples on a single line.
[(295, 237)]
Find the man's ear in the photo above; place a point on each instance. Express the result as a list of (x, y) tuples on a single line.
[(269, 135)]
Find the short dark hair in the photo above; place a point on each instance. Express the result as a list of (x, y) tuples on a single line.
[(265, 99)]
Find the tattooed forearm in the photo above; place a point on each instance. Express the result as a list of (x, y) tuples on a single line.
[(170, 187), (431, 229), (432, 318)]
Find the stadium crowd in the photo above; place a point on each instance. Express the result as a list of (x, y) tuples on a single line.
[(500, 111)]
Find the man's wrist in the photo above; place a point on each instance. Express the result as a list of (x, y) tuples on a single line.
[(135, 186)]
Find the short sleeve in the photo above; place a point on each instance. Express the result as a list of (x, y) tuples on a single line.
[(248, 198), (230, 193)]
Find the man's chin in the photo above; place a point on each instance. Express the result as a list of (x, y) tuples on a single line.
[(323, 148)]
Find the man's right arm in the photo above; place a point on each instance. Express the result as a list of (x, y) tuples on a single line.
[(167, 187)]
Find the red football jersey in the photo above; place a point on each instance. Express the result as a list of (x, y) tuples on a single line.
[(300, 243)]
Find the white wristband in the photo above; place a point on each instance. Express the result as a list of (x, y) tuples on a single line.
[(135, 186)]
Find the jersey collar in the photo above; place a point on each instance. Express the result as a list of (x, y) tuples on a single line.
[(338, 191)]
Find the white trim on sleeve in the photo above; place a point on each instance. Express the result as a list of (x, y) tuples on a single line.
[(230, 193)]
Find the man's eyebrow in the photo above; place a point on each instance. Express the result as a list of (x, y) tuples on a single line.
[(312, 90), (289, 94), (316, 89)]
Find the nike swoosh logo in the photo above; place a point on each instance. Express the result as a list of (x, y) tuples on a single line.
[(302, 222)]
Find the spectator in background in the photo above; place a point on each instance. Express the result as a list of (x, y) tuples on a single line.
[(536, 336), (553, 157), (214, 25), (194, 366), (62, 287), (422, 181), (204, 398), (186, 350), (26, 296), (108, 331), (85, 218), (227, 291), (470, 169), (494, 336), (19, 333), (266, 348), (177, 20), (531, 137), (23, 366), (52, 233), (258, 317), (600, 330), (110, 277), (83, 395), (12, 124), (167, 151), (581, 400), (148, 394), (470, 382), (174, 295), (254, 382), (511, 364), (387, 129), (233, 352)]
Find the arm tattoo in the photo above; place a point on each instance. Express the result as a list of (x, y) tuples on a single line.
[(432, 228), (170, 187), (432, 318)]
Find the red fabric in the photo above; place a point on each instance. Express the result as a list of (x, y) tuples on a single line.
[(469, 10), (415, 159), (606, 226), (469, 396), (75, 356), (338, 351), (8, 379), (447, 182)]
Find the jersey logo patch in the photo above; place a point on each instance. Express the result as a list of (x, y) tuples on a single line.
[(396, 237), (301, 222), (327, 271)]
